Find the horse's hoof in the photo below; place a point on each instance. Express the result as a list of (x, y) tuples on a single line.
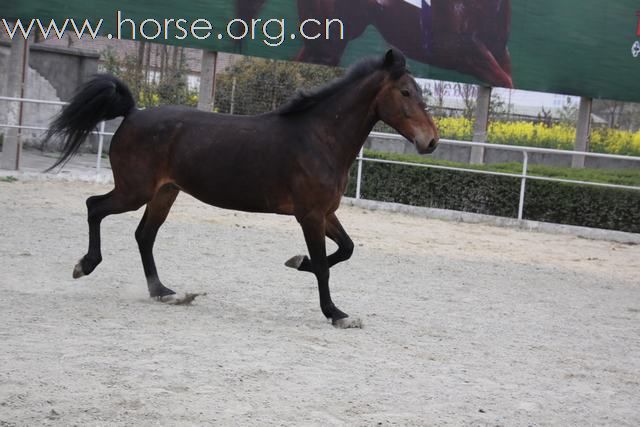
[(295, 262), (187, 299), (168, 299), (77, 270), (160, 291), (347, 322)]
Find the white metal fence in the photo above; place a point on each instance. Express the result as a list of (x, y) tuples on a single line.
[(523, 176), (361, 159), (101, 131)]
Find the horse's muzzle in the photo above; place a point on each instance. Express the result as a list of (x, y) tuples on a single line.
[(426, 147)]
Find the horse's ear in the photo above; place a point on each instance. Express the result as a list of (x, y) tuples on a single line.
[(394, 59)]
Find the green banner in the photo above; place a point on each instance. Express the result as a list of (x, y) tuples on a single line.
[(586, 47)]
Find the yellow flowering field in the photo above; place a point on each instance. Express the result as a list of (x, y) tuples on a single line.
[(560, 136)]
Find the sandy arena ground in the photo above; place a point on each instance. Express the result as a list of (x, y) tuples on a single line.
[(464, 324)]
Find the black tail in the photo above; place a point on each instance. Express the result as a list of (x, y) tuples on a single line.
[(104, 97)]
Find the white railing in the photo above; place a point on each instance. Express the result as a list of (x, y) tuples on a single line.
[(100, 132), (523, 176)]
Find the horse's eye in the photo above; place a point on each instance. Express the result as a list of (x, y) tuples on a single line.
[(405, 92)]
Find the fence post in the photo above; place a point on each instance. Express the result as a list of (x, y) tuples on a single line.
[(359, 176), (481, 123), (100, 146), (207, 91), (582, 131), (233, 95), (523, 184), (16, 86)]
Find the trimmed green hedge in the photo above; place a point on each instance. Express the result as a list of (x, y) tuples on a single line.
[(561, 203), (610, 208)]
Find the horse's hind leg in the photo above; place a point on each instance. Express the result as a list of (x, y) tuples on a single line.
[(154, 216), (98, 207), (335, 232)]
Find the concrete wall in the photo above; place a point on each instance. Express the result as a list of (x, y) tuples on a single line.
[(493, 155), (54, 74), (64, 68), (34, 114)]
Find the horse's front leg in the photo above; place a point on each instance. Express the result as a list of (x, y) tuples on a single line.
[(314, 228), (486, 67), (334, 231)]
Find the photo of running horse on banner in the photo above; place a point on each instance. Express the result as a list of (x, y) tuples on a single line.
[(468, 36)]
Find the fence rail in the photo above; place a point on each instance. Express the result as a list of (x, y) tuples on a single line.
[(361, 159), (101, 132), (523, 176)]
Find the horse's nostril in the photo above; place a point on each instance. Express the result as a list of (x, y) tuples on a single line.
[(433, 143)]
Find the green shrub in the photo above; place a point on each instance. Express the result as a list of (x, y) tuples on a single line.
[(562, 203), (588, 206)]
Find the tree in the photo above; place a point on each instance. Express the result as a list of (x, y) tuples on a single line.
[(630, 118), (255, 85), (569, 112), (468, 94), (440, 91), (497, 106), (427, 94), (545, 118), (166, 83), (618, 114)]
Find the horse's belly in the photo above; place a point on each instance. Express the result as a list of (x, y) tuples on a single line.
[(232, 171), (243, 203), (242, 194)]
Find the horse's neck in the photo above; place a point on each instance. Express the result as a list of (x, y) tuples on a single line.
[(350, 118)]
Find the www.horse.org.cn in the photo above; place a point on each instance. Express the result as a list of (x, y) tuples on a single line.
[(272, 32)]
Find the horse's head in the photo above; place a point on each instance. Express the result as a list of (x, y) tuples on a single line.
[(400, 105)]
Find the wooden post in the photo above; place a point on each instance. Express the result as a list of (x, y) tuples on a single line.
[(207, 94), (16, 85), (582, 132), (481, 124)]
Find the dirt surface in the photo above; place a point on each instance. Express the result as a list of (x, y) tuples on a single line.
[(463, 324)]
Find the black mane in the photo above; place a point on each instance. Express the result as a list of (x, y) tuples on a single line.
[(304, 100)]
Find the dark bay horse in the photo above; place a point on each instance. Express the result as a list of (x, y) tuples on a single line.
[(292, 161), (469, 36)]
